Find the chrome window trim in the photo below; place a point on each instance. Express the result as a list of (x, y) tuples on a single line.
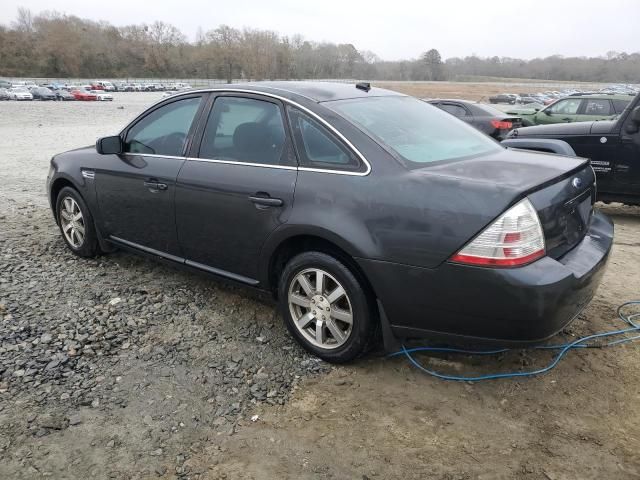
[(292, 103), (152, 155), (234, 162)]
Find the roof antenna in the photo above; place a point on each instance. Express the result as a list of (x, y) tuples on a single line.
[(366, 86)]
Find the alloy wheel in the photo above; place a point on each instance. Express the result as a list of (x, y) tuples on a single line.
[(320, 308), (72, 222)]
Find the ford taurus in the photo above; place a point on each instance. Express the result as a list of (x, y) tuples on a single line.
[(362, 210)]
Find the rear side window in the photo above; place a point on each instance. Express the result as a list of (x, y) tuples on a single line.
[(455, 110), (316, 146), (598, 107), (164, 131), (244, 130)]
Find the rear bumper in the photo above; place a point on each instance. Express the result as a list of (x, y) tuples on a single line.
[(458, 303)]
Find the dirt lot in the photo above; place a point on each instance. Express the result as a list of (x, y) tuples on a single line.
[(471, 91), (118, 367)]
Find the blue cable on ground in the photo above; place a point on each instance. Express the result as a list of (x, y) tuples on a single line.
[(564, 348)]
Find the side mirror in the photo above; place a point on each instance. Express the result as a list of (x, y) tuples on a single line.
[(109, 145), (547, 112), (633, 125)]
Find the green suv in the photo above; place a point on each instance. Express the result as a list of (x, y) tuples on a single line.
[(575, 108)]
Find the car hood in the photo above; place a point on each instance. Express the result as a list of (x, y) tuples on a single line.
[(560, 129)]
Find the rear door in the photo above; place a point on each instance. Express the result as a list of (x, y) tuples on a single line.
[(595, 109), (136, 189), (237, 186)]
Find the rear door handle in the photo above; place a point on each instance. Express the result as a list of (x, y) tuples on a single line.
[(155, 186), (266, 201)]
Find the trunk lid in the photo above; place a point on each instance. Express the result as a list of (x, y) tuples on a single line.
[(565, 209), (562, 189)]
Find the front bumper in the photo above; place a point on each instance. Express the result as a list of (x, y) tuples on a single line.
[(463, 304)]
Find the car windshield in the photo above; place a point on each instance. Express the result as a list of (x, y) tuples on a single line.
[(418, 132)]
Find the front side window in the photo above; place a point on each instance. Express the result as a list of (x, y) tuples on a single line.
[(164, 131), (244, 130), (566, 107), (598, 107), (316, 146), (416, 131)]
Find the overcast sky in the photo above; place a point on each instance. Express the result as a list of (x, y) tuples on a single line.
[(392, 29)]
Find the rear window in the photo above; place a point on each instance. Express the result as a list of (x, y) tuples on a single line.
[(417, 132)]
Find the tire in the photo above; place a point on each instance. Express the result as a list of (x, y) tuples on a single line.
[(335, 327), (86, 245)]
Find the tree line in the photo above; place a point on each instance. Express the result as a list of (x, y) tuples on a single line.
[(51, 44)]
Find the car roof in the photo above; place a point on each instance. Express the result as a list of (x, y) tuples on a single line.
[(314, 91), (604, 96)]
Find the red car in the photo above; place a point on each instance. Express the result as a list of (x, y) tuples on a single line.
[(84, 95)]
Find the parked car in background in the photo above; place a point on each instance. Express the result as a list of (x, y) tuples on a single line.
[(485, 118), (103, 85), (509, 98), (42, 93), (613, 147), (4, 94), (84, 95), (400, 211), (525, 100), (102, 95), (6, 84), (20, 93), (64, 95), (575, 108)]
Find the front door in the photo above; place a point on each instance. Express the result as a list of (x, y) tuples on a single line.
[(136, 189), (562, 111), (238, 189), (626, 166)]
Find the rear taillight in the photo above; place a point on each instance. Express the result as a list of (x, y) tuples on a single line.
[(501, 125), (514, 239)]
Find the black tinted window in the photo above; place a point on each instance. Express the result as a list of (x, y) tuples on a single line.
[(620, 105), (316, 146), (244, 130), (163, 131), (456, 110)]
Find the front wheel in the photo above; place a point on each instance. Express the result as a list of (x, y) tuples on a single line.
[(326, 308), (76, 223)]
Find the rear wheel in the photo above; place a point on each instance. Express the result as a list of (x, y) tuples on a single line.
[(76, 223), (326, 308)]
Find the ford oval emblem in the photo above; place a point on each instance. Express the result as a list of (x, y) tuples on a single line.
[(576, 182)]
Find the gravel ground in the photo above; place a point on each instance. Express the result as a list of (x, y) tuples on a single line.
[(119, 367)]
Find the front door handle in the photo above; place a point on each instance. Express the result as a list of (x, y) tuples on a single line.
[(155, 186), (566, 119), (266, 201)]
